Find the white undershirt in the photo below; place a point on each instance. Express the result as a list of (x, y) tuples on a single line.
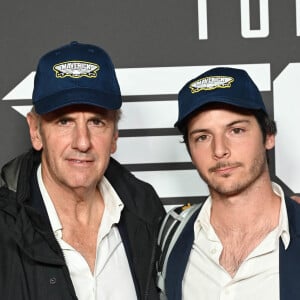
[(112, 278), (256, 278)]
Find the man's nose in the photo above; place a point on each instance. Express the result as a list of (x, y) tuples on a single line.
[(220, 147), (81, 138)]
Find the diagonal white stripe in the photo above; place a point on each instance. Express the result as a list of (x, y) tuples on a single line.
[(23, 90)]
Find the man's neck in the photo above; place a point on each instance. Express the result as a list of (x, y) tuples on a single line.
[(242, 221), (246, 208)]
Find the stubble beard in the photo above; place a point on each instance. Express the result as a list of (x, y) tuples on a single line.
[(257, 169)]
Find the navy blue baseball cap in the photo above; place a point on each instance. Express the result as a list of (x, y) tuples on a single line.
[(75, 74), (219, 85)]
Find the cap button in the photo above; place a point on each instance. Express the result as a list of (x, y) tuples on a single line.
[(74, 43)]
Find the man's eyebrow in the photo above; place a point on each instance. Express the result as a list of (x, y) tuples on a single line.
[(236, 122), (198, 130)]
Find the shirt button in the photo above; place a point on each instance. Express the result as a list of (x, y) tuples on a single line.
[(213, 251)]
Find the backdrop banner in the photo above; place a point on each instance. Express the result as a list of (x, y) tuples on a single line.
[(156, 47)]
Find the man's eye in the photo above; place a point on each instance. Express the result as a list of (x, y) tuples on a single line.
[(202, 138), (97, 122), (237, 130), (63, 121)]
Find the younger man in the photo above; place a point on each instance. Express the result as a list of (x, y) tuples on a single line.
[(244, 242)]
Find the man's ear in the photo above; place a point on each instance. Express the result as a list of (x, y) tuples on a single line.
[(34, 131), (114, 142), (270, 141)]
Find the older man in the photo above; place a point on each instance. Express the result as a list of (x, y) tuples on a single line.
[(74, 223)]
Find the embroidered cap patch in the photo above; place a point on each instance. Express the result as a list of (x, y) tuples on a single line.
[(76, 69), (211, 83)]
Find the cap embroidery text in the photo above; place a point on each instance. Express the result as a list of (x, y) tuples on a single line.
[(76, 69), (210, 83)]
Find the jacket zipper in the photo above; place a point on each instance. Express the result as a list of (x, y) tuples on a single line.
[(152, 261)]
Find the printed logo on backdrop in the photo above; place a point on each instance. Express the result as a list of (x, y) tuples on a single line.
[(245, 12), (150, 146)]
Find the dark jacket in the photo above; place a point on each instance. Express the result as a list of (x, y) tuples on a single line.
[(32, 265), (289, 259)]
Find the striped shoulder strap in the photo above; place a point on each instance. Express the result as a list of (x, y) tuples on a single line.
[(170, 230)]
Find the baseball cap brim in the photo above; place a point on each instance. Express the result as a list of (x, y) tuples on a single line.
[(240, 103), (78, 96)]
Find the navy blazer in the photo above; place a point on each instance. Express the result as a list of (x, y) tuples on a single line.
[(289, 259)]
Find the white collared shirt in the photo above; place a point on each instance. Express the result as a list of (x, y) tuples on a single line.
[(112, 277), (256, 278)]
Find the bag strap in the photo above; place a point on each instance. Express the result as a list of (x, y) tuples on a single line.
[(170, 230)]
